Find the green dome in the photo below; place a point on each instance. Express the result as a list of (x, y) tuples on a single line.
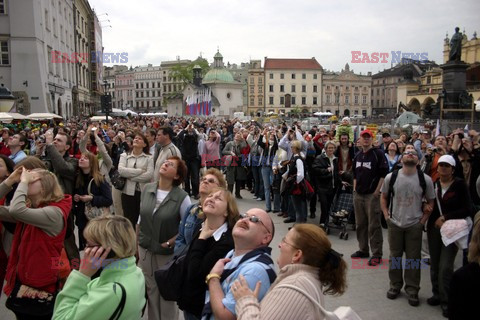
[(218, 75)]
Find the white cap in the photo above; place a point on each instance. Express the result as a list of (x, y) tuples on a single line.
[(448, 159), (346, 119)]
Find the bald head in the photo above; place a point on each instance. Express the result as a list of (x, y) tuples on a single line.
[(254, 230)]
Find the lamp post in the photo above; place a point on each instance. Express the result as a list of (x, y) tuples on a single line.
[(7, 99), (105, 100), (337, 97)]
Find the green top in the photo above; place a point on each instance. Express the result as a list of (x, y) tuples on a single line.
[(83, 298)]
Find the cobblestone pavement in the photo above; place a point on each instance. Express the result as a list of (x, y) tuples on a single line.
[(367, 287)]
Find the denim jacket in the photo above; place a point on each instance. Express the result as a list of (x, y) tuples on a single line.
[(188, 225)]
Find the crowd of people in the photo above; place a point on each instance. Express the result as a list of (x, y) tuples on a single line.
[(139, 192)]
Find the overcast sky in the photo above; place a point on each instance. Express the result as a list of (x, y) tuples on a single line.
[(151, 31)]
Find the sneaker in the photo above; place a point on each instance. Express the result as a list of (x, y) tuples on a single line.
[(374, 261), (260, 199), (434, 301), (413, 300), (360, 254), (393, 293)]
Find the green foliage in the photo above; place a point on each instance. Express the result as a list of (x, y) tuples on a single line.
[(184, 73)]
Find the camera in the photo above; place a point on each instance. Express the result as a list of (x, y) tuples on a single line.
[(41, 139)]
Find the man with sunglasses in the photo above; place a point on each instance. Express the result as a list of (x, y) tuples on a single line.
[(250, 258), (406, 209)]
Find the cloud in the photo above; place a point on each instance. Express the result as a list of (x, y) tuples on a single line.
[(152, 31)]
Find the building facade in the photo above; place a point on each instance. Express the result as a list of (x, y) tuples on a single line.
[(124, 88), (470, 48), (346, 93), (33, 38), (256, 89), (292, 84), (148, 88), (172, 86)]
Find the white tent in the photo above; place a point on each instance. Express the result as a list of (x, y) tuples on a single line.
[(100, 118), (127, 111), (323, 114), (162, 114), (5, 117), (43, 116)]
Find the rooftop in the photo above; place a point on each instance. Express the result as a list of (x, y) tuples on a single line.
[(292, 64)]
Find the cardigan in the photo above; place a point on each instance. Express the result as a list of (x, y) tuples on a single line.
[(285, 303)]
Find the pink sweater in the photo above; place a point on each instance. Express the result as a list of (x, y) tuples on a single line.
[(212, 150), (285, 303)]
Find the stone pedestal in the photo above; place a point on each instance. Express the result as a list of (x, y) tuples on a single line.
[(455, 85)]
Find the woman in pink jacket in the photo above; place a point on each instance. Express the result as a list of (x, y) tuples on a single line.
[(211, 154)]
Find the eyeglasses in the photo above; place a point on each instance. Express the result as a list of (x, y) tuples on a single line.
[(411, 153), (287, 243), (254, 219), (211, 180)]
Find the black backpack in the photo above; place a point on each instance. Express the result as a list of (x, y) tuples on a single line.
[(393, 178)]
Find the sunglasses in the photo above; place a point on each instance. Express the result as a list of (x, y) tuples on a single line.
[(411, 153), (443, 164), (254, 219)]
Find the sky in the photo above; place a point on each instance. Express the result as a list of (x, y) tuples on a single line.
[(151, 31)]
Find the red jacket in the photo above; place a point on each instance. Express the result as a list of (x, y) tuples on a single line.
[(33, 253)]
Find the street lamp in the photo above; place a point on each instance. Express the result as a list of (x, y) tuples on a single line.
[(7, 99), (337, 97), (105, 102)]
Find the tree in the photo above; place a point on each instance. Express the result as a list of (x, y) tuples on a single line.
[(184, 73)]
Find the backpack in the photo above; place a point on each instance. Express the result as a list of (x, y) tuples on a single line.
[(393, 178)]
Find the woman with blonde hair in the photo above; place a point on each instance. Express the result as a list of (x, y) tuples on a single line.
[(40, 209), (210, 243), (296, 174), (307, 262), (92, 195), (119, 292), (192, 218)]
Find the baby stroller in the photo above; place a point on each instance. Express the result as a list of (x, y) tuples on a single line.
[(341, 211)]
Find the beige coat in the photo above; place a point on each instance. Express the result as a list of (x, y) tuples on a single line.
[(137, 169)]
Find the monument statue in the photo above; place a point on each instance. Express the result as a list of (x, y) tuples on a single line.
[(456, 46)]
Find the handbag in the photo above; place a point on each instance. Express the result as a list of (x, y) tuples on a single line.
[(304, 188), (90, 210), (169, 277), (26, 300), (117, 180), (341, 313)]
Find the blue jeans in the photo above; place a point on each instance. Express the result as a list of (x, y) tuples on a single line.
[(267, 175), (257, 177)]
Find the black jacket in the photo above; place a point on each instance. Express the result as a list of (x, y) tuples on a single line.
[(326, 180), (201, 257), (455, 203), (189, 144), (102, 195)]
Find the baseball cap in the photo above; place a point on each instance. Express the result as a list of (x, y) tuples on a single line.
[(366, 131), (448, 159), (385, 134), (426, 132), (346, 119)]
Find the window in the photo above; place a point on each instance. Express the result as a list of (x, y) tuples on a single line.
[(314, 76), (252, 89), (429, 80), (4, 53), (346, 88), (315, 100), (328, 98), (271, 75), (364, 113), (282, 100), (50, 63), (347, 99), (293, 88), (337, 98), (282, 88), (260, 89), (304, 88), (364, 100), (146, 85), (271, 88), (252, 80), (260, 80), (282, 76), (294, 101), (47, 20), (54, 26), (356, 99), (252, 101), (314, 88), (304, 100), (2, 7), (270, 100), (293, 75), (304, 76)]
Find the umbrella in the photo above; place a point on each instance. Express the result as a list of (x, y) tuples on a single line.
[(17, 116), (43, 116), (5, 117), (325, 114)]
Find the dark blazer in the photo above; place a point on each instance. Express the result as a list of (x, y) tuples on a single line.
[(201, 257), (326, 180), (456, 202)]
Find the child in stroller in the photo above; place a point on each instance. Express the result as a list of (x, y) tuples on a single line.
[(341, 212)]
